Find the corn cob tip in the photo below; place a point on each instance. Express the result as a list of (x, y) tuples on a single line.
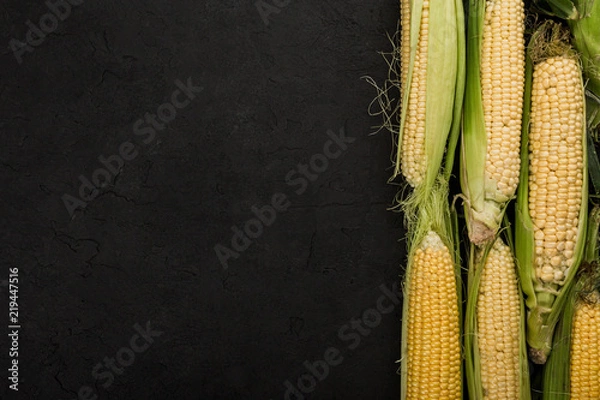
[(551, 40), (432, 241), (538, 356), (483, 224), (480, 233)]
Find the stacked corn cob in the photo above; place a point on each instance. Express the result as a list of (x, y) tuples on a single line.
[(524, 132)]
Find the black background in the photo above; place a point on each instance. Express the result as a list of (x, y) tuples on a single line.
[(143, 250)]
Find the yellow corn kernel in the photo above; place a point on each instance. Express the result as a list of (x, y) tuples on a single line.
[(433, 342)]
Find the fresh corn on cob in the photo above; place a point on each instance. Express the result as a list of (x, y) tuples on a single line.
[(585, 350), (490, 155), (585, 333), (432, 50), (556, 165), (433, 341), (431, 365), (552, 199), (499, 325), (496, 356), (573, 369), (414, 157)]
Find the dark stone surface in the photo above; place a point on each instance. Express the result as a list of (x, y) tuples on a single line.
[(144, 248)]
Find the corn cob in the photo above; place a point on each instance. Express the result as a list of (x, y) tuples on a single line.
[(433, 341), (585, 350), (431, 366), (556, 165), (585, 333), (573, 368), (414, 157), (503, 53), (490, 161), (552, 198), (496, 357), (499, 325), (432, 50)]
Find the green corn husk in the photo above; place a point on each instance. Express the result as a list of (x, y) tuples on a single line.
[(445, 76), (477, 259), (545, 302), (586, 39), (444, 96), (592, 248), (484, 202), (556, 371), (563, 9), (568, 10)]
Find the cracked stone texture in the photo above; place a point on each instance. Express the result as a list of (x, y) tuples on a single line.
[(143, 250)]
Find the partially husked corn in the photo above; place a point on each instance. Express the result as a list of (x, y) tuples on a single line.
[(499, 325), (556, 165), (502, 84), (431, 80), (414, 156), (552, 199), (585, 350), (493, 112), (433, 342)]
